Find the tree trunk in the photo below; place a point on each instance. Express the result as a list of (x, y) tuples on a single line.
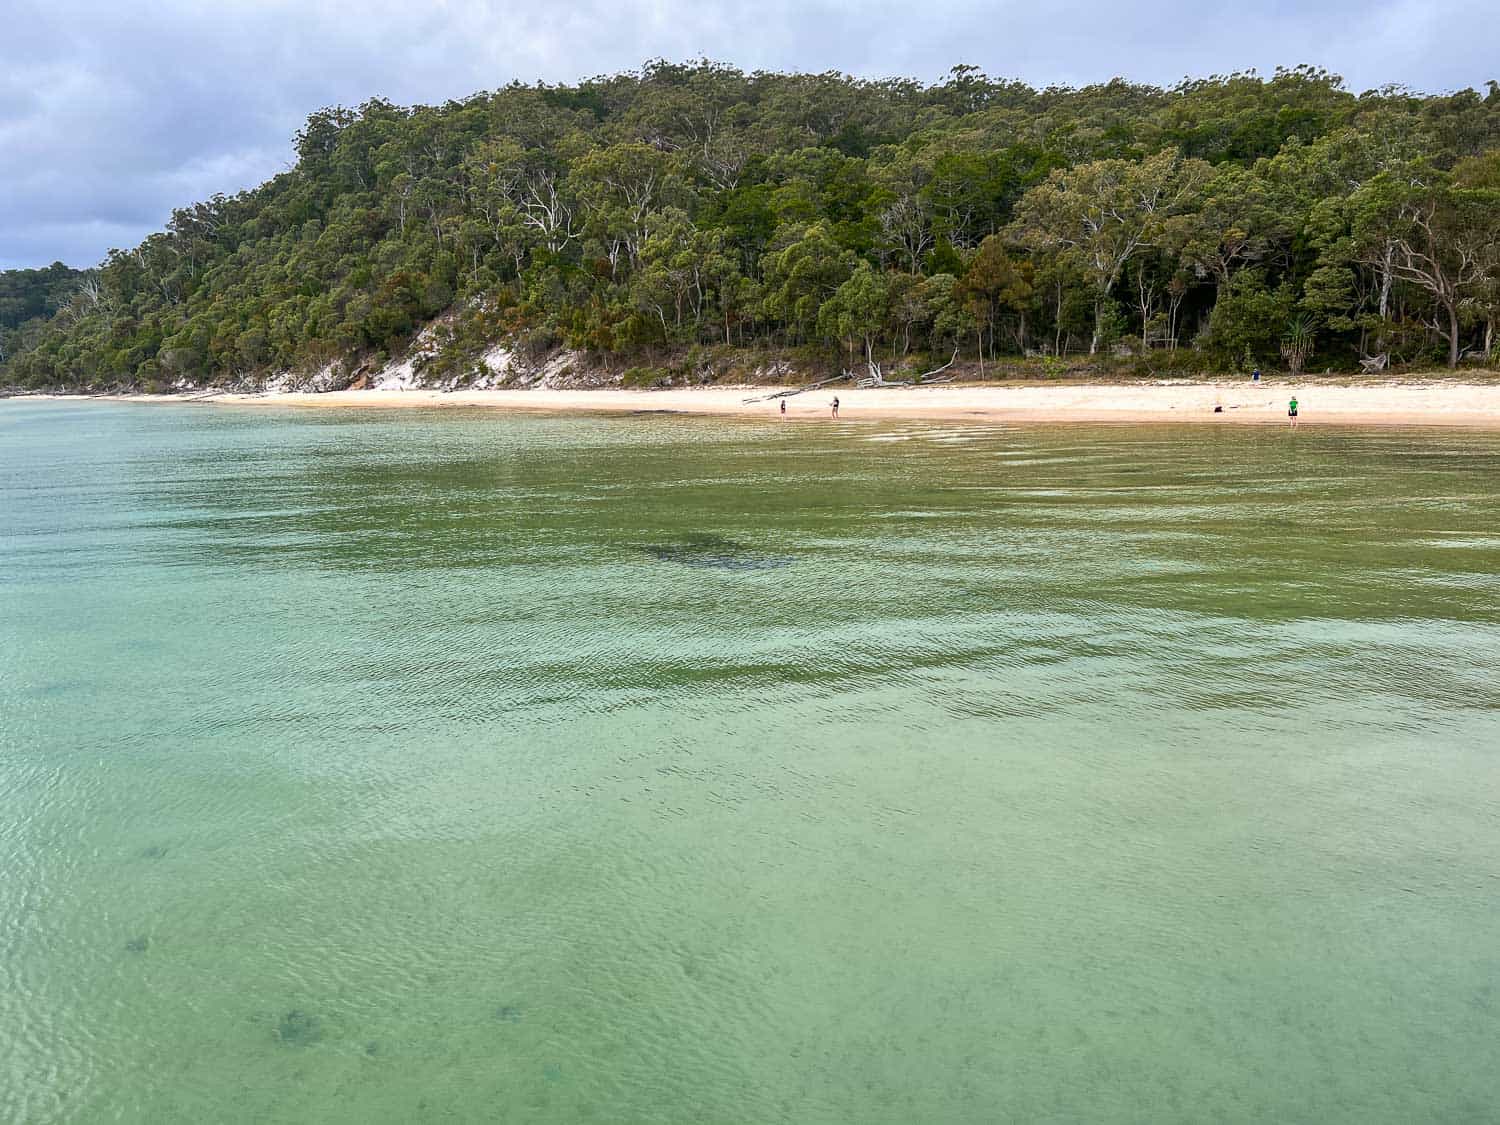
[(1387, 276), (1057, 324), (1385, 280), (1452, 336)]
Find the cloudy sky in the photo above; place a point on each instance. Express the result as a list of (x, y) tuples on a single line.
[(112, 112)]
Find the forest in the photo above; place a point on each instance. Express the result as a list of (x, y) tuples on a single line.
[(33, 295), (690, 220)]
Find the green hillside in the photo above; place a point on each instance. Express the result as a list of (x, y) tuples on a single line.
[(678, 217), (28, 298)]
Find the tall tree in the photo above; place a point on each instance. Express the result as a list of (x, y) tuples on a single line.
[(1100, 215), (1446, 240), (996, 283), (804, 268)]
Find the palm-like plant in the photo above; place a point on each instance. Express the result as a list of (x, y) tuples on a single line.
[(1297, 343)]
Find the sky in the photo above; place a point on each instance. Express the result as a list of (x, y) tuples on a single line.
[(113, 112)]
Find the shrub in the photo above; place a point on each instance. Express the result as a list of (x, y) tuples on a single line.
[(642, 377)]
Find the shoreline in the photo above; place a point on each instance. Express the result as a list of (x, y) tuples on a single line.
[(1466, 405)]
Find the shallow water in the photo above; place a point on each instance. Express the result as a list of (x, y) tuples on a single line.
[(401, 766)]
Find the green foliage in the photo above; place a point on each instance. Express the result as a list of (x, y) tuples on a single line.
[(1249, 319), (1110, 325), (29, 294), (1099, 216), (642, 377), (858, 309), (29, 297), (647, 214), (804, 268)]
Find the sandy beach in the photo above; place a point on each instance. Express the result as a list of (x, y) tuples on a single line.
[(1433, 403)]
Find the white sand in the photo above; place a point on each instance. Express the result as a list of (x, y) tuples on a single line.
[(1436, 403)]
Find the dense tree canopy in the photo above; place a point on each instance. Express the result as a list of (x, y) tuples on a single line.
[(1222, 221), (28, 297)]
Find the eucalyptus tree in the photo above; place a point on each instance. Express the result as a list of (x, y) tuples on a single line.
[(858, 310), (619, 187), (1446, 240), (1100, 215), (1236, 222), (684, 202), (686, 276), (995, 284), (804, 268)]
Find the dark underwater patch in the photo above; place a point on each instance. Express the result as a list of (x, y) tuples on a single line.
[(714, 552), (299, 1029)]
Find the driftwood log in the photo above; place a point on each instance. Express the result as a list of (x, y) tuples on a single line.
[(877, 379), (800, 390)]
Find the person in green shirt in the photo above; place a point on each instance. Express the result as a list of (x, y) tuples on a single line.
[(1291, 411)]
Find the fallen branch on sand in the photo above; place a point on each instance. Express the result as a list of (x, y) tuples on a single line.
[(927, 376), (877, 379), (800, 390), (874, 379)]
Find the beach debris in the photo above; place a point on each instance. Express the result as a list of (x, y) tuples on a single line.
[(714, 552), (874, 378), (877, 379), (845, 377), (298, 1029)]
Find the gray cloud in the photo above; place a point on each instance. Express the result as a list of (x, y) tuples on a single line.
[(110, 117)]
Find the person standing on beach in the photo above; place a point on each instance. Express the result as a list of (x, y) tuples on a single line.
[(1255, 375), (783, 409), (835, 406), (1291, 411)]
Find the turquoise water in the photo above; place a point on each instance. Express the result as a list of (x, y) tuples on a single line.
[(405, 766)]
